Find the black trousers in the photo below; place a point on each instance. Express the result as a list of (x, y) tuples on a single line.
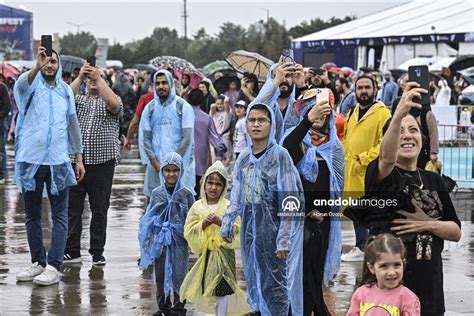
[(168, 306), (97, 184)]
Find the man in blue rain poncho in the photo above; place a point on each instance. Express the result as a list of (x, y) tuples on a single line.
[(161, 235), (318, 155), (47, 131), (279, 93), (167, 125), (264, 183)]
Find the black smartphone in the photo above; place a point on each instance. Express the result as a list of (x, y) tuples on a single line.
[(287, 56), (421, 75), (91, 60), (47, 42)]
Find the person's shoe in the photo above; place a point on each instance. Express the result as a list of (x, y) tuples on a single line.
[(48, 277), (34, 270), (68, 258), (354, 255), (98, 260)]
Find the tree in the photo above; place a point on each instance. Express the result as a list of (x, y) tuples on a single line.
[(81, 44), (316, 25)]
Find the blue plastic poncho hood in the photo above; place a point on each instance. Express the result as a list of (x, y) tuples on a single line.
[(162, 228), (161, 131), (259, 188), (47, 131)]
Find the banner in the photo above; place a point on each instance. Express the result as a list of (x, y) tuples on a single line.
[(16, 34), (101, 52)]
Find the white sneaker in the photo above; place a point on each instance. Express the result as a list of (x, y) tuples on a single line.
[(48, 277), (34, 270), (354, 255)]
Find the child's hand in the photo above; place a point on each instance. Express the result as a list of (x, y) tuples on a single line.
[(217, 220), (207, 221)]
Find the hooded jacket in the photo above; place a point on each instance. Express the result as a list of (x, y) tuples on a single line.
[(261, 190), (167, 126), (47, 131)]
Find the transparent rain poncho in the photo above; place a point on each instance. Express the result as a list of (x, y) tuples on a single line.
[(259, 189), (162, 227), (333, 154), (47, 131), (163, 126), (209, 244), (269, 94)]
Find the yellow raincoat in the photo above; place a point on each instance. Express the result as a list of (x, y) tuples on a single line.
[(221, 262), (362, 139)]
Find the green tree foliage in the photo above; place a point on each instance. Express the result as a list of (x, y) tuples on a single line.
[(81, 44), (266, 38)]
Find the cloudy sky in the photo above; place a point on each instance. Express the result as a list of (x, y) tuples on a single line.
[(124, 21)]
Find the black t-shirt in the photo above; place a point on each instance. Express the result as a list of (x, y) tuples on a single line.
[(424, 272)]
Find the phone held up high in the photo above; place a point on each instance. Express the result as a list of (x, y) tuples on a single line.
[(287, 56), (47, 42), (91, 60), (421, 75), (322, 94)]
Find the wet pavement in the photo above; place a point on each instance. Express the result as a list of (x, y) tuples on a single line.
[(120, 288)]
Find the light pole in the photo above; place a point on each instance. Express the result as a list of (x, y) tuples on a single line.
[(76, 25), (268, 13)]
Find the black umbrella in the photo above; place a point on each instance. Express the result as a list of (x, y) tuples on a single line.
[(462, 62), (69, 63), (222, 83)]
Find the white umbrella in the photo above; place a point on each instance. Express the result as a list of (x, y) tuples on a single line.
[(243, 61)]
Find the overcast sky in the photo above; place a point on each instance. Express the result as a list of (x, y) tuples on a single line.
[(124, 21)]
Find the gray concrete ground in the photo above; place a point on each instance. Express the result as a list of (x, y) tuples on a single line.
[(119, 288)]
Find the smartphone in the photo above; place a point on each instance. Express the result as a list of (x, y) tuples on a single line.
[(421, 75), (47, 42), (322, 94), (287, 56), (91, 60), (318, 71)]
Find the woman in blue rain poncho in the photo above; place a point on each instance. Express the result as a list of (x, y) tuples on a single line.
[(161, 234), (265, 183), (319, 157), (271, 93), (167, 125)]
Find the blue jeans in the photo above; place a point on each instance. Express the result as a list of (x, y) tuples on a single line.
[(3, 153), (34, 231), (361, 236)]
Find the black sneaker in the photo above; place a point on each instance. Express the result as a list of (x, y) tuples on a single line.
[(68, 258), (98, 260)]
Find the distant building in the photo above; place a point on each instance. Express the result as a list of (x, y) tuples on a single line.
[(16, 33)]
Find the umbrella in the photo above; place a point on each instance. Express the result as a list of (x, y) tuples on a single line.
[(222, 83), (329, 66), (175, 63), (462, 62), (144, 67), (215, 66), (243, 61), (69, 63), (8, 70)]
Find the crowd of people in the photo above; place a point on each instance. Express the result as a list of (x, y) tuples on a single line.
[(305, 135)]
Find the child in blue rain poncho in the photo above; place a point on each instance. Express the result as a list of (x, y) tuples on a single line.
[(211, 284), (267, 195), (161, 234), (166, 125)]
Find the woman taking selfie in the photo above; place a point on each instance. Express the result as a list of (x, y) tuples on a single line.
[(432, 218)]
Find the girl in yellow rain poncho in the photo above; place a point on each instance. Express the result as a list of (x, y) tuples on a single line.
[(212, 282)]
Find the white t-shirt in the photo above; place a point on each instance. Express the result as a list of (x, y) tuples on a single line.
[(222, 121), (240, 142), (444, 93)]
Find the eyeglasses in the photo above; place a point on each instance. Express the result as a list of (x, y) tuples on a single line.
[(258, 120)]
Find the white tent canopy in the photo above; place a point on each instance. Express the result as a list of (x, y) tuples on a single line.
[(428, 18)]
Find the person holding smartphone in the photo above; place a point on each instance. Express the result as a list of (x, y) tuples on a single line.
[(47, 132), (99, 113)]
